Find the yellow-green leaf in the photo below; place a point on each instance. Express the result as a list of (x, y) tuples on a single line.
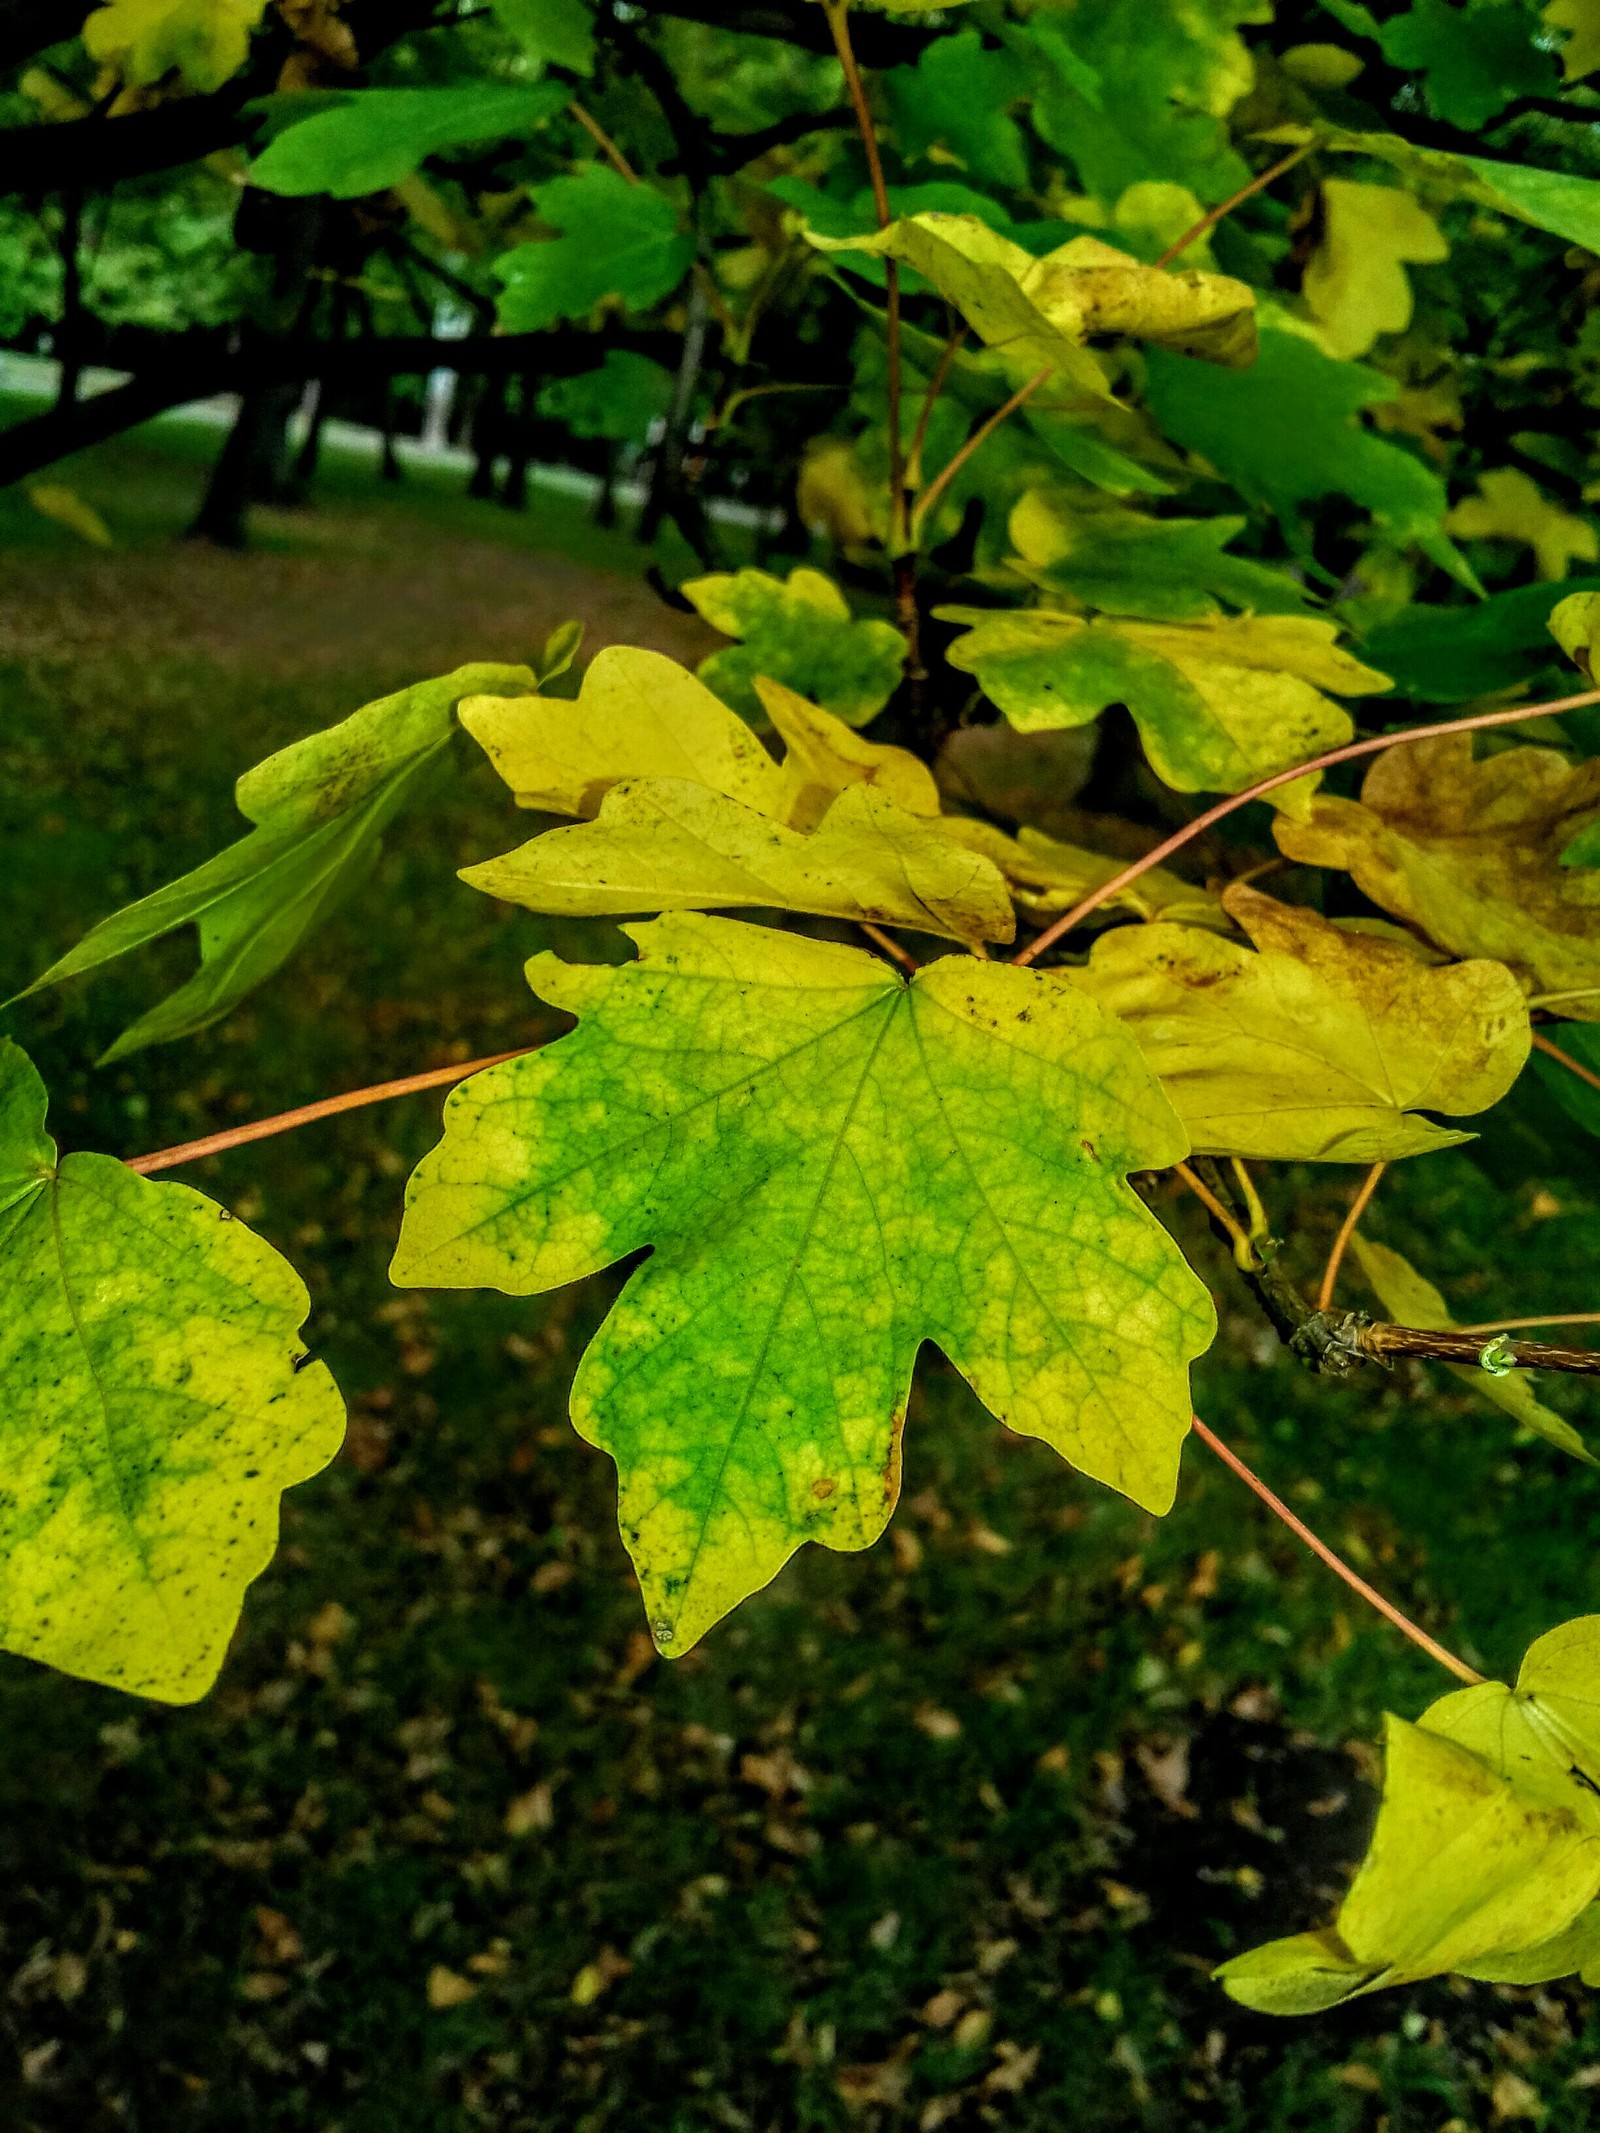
[(799, 632), (1580, 55), (831, 1166), (155, 1408), (1039, 312), (1128, 563), (1219, 703), (1355, 284), (823, 756), (1511, 507), (1412, 1300), (1317, 1045), (1048, 877), (1470, 854), (662, 844), (1306, 1973), (205, 41)]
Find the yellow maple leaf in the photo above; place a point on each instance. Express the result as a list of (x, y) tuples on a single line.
[(205, 41), (1356, 284), (1511, 507), (1580, 55)]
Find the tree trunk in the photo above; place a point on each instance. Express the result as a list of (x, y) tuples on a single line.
[(245, 460)]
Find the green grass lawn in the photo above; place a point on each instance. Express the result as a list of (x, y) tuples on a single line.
[(948, 1834)]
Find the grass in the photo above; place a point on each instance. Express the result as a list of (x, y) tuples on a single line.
[(949, 1833)]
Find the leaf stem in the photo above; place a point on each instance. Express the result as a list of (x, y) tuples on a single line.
[(1243, 1250), (603, 141), (1260, 1225), (262, 1129), (1347, 1229), (1511, 1325), (1350, 753), (1337, 1564), (889, 946), (985, 430), (930, 400), (1554, 1051), (1214, 215)]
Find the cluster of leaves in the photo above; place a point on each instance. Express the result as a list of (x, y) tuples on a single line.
[(1095, 447)]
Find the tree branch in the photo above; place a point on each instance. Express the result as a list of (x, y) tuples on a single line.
[(29, 26)]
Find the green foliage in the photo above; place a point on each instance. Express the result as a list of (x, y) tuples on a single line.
[(810, 1146), (320, 808), (155, 1409), (559, 31), (613, 240), (203, 41), (1474, 59), (372, 138), (620, 400), (799, 632)]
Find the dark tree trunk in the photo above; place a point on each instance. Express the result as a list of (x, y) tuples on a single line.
[(488, 422), (244, 465)]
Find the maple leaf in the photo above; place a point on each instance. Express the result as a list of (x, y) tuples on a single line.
[(1510, 506), (320, 808), (205, 41), (830, 1166), (1317, 1045), (953, 102), (1474, 60), (1411, 1300), (1580, 55), (1128, 563), (1470, 854), (1486, 1855), (1218, 703), (155, 1408), (369, 139), (560, 32), (1355, 284), (1047, 876), (621, 400), (800, 632), (613, 239)]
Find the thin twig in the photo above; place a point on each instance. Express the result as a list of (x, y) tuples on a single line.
[(1574, 992), (1260, 1226), (1511, 1325), (930, 400), (1469, 1351), (1554, 1051), (1243, 1250), (262, 1129), (838, 14), (607, 146), (1212, 216), (890, 947), (985, 430), (1350, 753), (1303, 1532), (1347, 1229)]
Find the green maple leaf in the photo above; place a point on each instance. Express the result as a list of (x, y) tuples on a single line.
[(800, 632), (1288, 431), (615, 239), (560, 32), (155, 1408), (1474, 59), (370, 139), (1128, 563), (320, 808), (620, 400), (831, 1166), (1486, 1855), (954, 99)]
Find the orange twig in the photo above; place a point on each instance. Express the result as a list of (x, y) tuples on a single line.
[(1573, 1066), (262, 1129), (985, 430), (1335, 1563), (1512, 1325), (607, 146), (890, 947), (1350, 753), (1212, 216), (1347, 1229)]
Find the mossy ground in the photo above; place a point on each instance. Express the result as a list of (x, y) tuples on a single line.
[(946, 1834)]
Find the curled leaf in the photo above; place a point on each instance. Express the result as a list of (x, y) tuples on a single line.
[(1470, 854), (1317, 1045)]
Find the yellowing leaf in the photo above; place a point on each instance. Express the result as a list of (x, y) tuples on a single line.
[(1511, 507), (320, 808), (1410, 1300), (823, 756), (1470, 854), (154, 1410), (53, 499), (1355, 285), (1486, 1855), (662, 844), (638, 715), (1048, 877), (833, 498), (1128, 563), (800, 633), (1218, 703), (831, 1166), (1580, 55), (1316, 1046), (205, 41), (1038, 312)]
